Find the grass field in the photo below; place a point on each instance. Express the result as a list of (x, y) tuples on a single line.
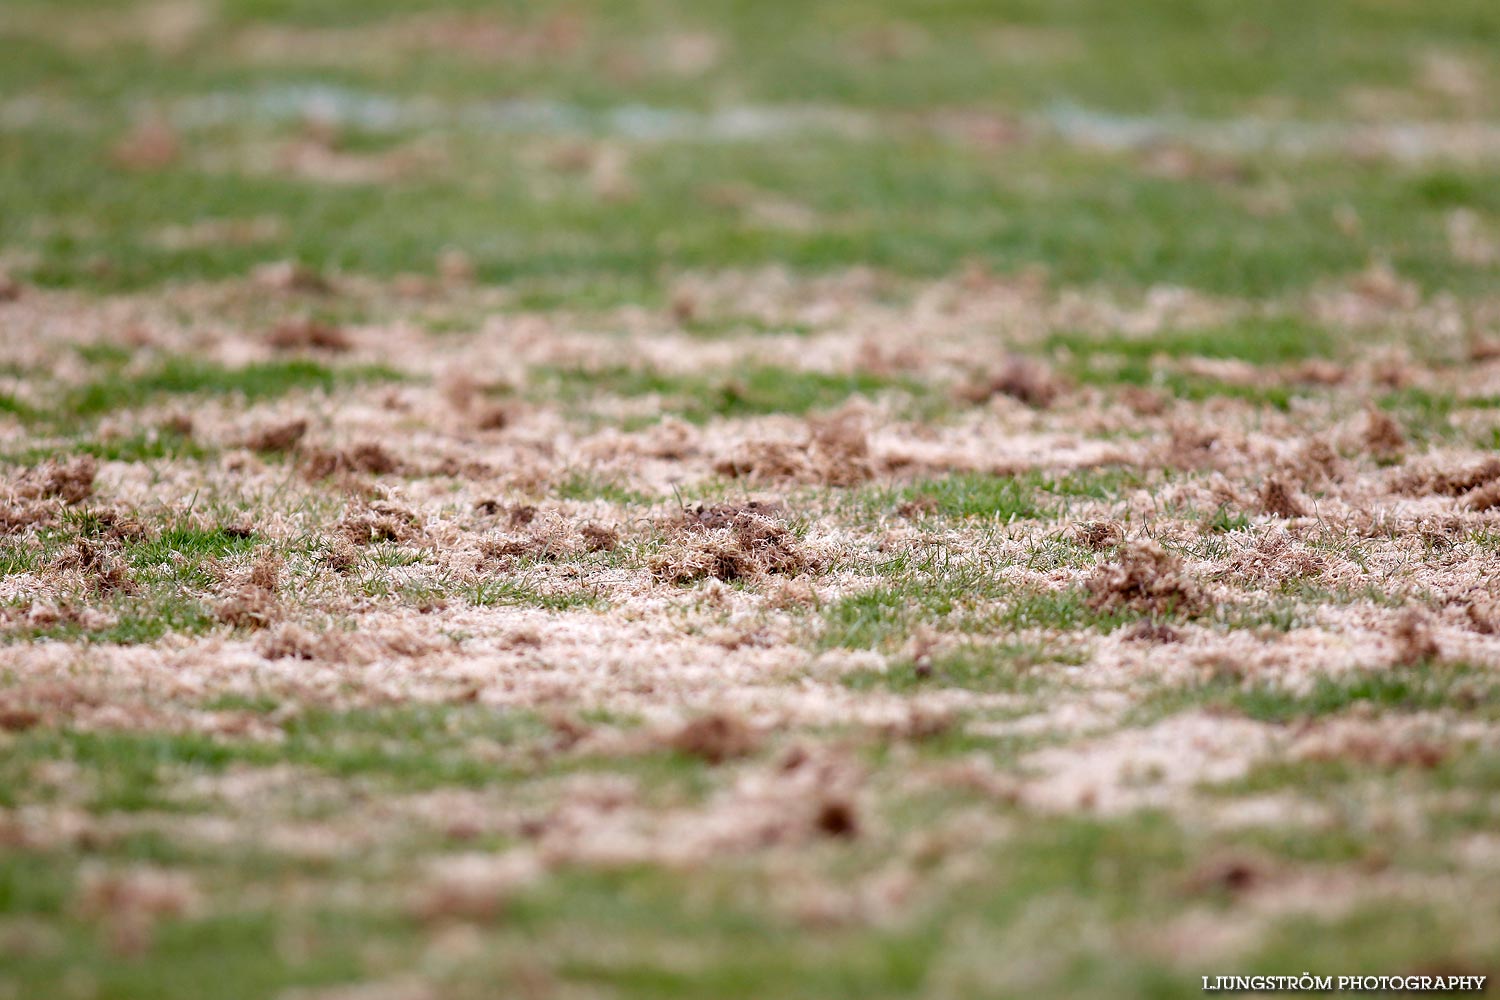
[(838, 498)]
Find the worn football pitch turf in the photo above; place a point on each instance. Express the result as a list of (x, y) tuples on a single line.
[(741, 500)]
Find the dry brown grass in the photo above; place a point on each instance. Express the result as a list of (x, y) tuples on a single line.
[(1146, 578), (731, 542)]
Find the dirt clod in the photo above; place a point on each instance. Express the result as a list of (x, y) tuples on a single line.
[(276, 437), (308, 334), (1278, 499), (716, 737), (1023, 379)]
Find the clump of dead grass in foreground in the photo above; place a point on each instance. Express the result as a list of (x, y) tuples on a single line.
[(254, 604), (731, 542), (99, 569), (1144, 578)]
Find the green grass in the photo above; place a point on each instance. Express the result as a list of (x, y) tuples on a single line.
[(169, 587), (1432, 687), (1007, 498), (1261, 341), (699, 398), (1429, 415), (1009, 668), (960, 599), (909, 204), (515, 593), (586, 485), (913, 172), (178, 375), (184, 543), (147, 446), (1150, 360)]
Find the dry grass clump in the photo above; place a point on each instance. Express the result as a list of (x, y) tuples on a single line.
[(49, 702), (1278, 499), (1373, 742), (836, 452), (1158, 633), (254, 604), (841, 450), (544, 535), (379, 521), (1316, 463), (600, 537), (731, 542), (1147, 578), (1190, 447), (368, 457), (308, 334), (276, 437), (102, 572), (290, 641), (1383, 436), (1273, 559), (1023, 379), (130, 902), (716, 737), (1449, 482), (474, 887), (767, 460), (17, 517), (1484, 498), (117, 526), (1319, 371), (1414, 641), (1232, 872), (70, 480), (1099, 535), (151, 144), (1483, 614), (291, 276), (466, 396), (10, 288), (16, 719)]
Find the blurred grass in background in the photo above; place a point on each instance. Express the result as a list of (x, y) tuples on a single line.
[(585, 150)]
